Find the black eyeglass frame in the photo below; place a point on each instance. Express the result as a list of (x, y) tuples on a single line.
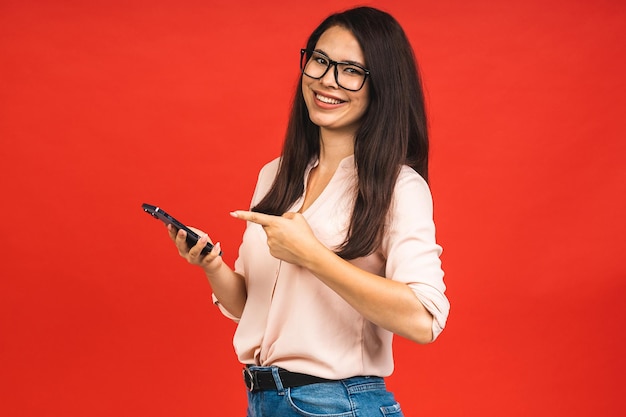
[(331, 63)]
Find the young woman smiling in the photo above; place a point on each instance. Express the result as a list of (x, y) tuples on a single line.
[(339, 252)]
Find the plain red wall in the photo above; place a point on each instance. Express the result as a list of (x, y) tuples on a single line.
[(108, 104)]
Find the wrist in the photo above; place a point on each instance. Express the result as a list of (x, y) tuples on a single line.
[(319, 259)]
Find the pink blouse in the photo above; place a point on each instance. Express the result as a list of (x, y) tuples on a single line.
[(293, 320)]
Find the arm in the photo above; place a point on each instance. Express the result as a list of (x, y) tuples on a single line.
[(388, 304), (228, 286)]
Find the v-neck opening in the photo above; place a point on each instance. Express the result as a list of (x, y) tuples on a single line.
[(346, 163)]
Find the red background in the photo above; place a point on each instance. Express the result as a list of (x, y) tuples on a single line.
[(105, 105)]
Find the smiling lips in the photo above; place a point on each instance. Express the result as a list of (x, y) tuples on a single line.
[(327, 100)]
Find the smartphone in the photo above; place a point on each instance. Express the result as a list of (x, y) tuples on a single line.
[(192, 237)]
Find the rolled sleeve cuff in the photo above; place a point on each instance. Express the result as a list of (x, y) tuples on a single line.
[(436, 303), (223, 310)]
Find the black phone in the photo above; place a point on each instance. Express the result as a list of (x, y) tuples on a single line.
[(192, 237)]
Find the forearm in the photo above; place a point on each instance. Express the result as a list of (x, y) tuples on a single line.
[(389, 304), (229, 288)]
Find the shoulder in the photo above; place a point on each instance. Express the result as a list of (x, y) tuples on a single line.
[(265, 179), (268, 173), (412, 192), (410, 179), (270, 169)]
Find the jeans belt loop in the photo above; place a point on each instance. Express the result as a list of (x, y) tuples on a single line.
[(277, 380)]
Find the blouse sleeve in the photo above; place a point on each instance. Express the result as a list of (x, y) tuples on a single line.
[(264, 182), (411, 249)]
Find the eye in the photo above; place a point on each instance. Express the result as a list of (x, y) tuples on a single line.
[(352, 70), (320, 60)]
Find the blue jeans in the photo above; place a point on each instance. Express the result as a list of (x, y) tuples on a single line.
[(361, 396)]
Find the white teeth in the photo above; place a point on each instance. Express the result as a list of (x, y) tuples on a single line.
[(327, 100)]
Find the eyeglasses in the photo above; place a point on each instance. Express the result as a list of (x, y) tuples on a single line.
[(349, 76)]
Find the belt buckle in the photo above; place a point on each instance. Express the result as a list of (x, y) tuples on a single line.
[(248, 375)]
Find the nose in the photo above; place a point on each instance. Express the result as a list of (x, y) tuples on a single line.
[(329, 79)]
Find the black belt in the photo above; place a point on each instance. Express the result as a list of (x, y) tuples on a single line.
[(260, 380)]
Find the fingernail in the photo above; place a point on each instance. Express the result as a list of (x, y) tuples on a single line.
[(234, 214)]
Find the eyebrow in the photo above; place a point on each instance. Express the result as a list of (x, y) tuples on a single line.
[(341, 62)]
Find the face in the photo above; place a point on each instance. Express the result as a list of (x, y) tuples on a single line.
[(331, 107)]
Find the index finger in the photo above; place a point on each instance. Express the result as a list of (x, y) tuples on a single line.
[(172, 231), (254, 217)]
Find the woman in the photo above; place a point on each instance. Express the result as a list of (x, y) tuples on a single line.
[(339, 252)]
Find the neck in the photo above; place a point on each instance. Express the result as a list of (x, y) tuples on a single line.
[(334, 147)]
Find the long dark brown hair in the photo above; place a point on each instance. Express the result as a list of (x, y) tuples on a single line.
[(392, 133)]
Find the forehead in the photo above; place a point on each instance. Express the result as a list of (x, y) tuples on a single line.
[(340, 44)]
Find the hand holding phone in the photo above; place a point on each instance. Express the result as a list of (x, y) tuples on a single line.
[(192, 237)]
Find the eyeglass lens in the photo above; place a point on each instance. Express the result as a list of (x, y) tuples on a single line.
[(347, 76)]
